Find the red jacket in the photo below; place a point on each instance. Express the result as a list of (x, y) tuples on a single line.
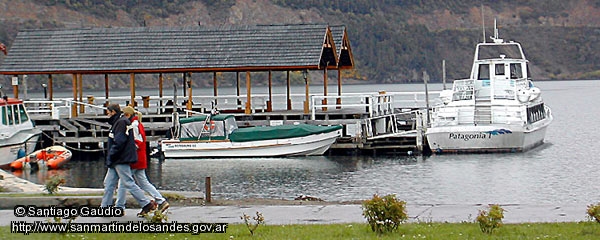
[(142, 162)]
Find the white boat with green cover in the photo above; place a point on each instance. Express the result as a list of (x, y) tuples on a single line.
[(219, 136)]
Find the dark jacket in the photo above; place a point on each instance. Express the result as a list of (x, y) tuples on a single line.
[(121, 145)]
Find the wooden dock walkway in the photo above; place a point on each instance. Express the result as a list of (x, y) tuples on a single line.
[(375, 123)]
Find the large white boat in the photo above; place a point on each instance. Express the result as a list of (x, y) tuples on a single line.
[(18, 135), (219, 136), (498, 109)]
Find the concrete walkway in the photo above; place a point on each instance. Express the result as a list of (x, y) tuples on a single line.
[(298, 213), (323, 214)]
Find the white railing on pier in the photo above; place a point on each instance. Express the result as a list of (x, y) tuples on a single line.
[(375, 104)]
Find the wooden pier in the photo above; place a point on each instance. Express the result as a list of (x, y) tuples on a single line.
[(373, 123)]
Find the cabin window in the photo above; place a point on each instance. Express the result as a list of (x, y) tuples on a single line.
[(23, 114), (515, 71), (499, 69), (17, 115), (4, 118), (484, 72), (8, 116)]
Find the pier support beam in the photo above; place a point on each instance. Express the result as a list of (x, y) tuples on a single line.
[(306, 96), (339, 83), (237, 90), (80, 87), (270, 102), (160, 92), (50, 89), (106, 86), (324, 102), (215, 87), (189, 86), (248, 109), (132, 89), (74, 105), (289, 97)]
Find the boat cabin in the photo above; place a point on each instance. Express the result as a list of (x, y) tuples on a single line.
[(12, 112), (499, 70), (205, 127)]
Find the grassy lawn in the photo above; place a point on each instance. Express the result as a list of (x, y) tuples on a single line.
[(579, 230)]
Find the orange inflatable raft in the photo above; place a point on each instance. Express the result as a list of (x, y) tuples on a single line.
[(51, 157)]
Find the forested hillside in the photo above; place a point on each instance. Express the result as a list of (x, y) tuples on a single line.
[(393, 41)]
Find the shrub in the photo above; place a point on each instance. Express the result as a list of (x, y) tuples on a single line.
[(157, 217), (53, 184), (384, 214), (593, 211), (491, 219), (258, 220)]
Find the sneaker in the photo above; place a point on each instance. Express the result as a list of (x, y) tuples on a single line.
[(163, 206), (148, 208)]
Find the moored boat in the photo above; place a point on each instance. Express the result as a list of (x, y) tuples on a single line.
[(18, 135), (498, 109), (52, 157), (219, 136)]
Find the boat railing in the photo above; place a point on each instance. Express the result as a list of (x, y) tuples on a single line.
[(465, 115), (375, 104), (463, 89), (56, 108)]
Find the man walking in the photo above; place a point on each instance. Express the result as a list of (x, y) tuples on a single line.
[(139, 168), (121, 153)]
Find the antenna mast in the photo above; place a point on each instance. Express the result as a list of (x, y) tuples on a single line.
[(482, 23)]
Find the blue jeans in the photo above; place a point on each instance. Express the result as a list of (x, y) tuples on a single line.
[(123, 172), (142, 180)]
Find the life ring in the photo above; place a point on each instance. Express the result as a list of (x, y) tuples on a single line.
[(212, 125)]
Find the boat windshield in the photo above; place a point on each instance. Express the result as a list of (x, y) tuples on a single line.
[(14, 114), (494, 51)]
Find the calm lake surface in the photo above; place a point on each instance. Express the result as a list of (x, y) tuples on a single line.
[(563, 170)]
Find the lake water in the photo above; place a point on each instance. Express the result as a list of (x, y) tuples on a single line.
[(563, 170)]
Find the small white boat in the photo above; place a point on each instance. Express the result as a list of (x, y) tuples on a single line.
[(18, 135), (498, 109), (219, 136)]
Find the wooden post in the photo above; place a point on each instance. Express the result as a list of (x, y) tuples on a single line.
[(215, 85), (339, 99), (106, 86), (189, 86), (132, 89), (80, 86), (270, 102), (50, 90), (324, 102), (160, 92), (289, 97), (237, 84), (444, 74), (306, 97), (208, 190), (74, 105), (248, 109)]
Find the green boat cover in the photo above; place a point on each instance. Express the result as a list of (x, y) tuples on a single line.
[(278, 132)]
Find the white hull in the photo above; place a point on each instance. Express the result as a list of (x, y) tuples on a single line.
[(25, 140), (315, 144), (488, 138)]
